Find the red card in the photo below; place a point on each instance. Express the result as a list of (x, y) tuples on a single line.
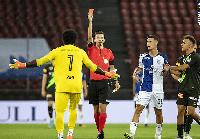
[(91, 11)]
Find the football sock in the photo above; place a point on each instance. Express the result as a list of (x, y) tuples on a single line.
[(59, 122), (185, 119), (102, 121), (188, 123), (158, 129), (146, 115), (133, 127), (50, 111), (96, 117), (80, 116), (180, 130), (72, 118), (70, 132), (60, 135)]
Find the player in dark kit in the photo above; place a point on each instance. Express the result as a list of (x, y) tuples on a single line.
[(189, 83), (48, 90), (99, 88), (188, 119)]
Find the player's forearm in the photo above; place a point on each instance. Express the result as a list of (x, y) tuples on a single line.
[(100, 71), (134, 88), (31, 64), (177, 73), (90, 32), (44, 81), (179, 68), (85, 88), (112, 67)]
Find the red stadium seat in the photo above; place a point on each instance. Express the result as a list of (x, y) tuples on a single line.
[(187, 20), (134, 5), (138, 27), (154, 13), (135, 13), (146, 20), (148, 27), (183, 13), (162, 5), (153, 5), (176, 20), (169, 27), (173, 13), (163, 13), (171, 5), (178, 27)]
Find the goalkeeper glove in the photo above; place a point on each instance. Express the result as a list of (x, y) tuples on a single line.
[(17, 65), (112, 74)]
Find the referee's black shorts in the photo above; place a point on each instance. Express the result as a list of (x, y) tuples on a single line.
[(98, 92)]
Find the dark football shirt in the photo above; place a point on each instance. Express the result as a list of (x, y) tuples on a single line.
[(190, 78), (50, 85)]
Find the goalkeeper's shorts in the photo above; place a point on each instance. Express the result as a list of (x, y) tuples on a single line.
[(62, 98)]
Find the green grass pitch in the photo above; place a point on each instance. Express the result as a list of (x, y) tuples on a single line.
[(112, 131)]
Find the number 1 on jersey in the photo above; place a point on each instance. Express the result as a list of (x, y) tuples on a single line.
[(71, 62)]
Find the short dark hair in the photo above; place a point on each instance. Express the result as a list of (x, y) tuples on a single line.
[(153, 36), (99, 32), (69, 36), (191, 38)]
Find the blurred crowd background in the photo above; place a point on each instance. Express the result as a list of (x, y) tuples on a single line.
[(126, 24)]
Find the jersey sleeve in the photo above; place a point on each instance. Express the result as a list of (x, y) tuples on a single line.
[(192, 59), (88, 62), (111, 55), (83, 77), (140, 60), (45, 70), (49, 57), (165, 59)]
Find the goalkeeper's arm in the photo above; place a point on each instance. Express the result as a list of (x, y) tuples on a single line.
[(34, 63)]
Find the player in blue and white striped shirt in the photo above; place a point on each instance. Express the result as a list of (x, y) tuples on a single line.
[(152, 66)]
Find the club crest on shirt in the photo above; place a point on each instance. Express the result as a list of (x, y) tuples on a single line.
[(189, 59), (105, 61), (158, 61)]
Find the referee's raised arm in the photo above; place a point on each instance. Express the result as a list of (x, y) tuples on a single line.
[(90, 17)]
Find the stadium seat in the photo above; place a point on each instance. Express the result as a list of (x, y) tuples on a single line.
[(153, 5), (159, 27), (173, 13)]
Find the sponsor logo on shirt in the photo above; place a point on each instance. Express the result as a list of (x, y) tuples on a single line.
[(180, 95), (70, 77), (193, 98)]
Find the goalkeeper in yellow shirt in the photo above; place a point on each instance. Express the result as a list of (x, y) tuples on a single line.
[(67, 63)]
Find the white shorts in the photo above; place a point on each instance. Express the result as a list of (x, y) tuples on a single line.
[(81, 100), (156, 99), (135, 97), (198, 103)]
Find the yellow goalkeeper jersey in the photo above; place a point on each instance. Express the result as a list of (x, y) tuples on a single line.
[(67, 62)]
